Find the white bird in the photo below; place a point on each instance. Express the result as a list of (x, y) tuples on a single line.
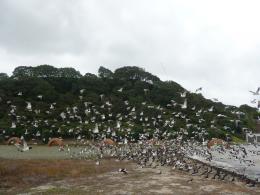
[(20, 94), (23, 146), (96, 130), (40, 97), (82, 91), (13, 125), (26, 132), (113, 133), (183, 94), (184, 105), (118, 124), (109, 130), (211, 109), (51, 107), (29, 106), (120, 90), (38, 134), (256, 92), (221, 115), (62, 115)]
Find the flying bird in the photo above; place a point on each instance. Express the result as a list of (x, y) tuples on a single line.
[(183, 94), (120, 90), (256, 92), (146, 90), (253, 101), (184, 105), (40, 97), (82, 91), (29, 106), (23, 147), (199, 89)]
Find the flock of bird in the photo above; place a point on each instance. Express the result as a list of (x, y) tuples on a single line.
[(156, 121), (184, 155), (102, 120), (255, 100)]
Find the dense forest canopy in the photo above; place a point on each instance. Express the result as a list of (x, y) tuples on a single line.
[(129, 103)]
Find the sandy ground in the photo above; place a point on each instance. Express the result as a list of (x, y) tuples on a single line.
[(31, 173), (85, 177)]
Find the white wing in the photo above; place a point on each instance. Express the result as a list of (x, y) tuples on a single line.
[(25, 144)]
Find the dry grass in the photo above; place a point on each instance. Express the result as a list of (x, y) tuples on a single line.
[(22, 174), (85, 177)]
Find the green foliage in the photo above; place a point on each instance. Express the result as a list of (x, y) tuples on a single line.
[(45, 71), (3, 76), (65, 88), (104, 72)]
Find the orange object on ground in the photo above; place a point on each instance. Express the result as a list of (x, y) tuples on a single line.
[(216, 141), (109, 142), (55, 142), (14, 140)]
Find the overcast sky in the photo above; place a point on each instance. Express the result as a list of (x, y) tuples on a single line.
[(209, 44)]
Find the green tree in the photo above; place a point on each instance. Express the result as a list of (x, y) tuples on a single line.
[(69, 73), (3, 76), (104, 72)]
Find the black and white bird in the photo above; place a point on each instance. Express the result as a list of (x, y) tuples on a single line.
[(122, 170), (23, 147)]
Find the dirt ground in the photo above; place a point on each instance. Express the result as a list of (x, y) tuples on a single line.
[(85, 177)]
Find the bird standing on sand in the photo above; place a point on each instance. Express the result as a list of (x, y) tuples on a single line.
[(122, 170)]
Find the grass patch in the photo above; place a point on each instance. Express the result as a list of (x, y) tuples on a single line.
[(237, 140)]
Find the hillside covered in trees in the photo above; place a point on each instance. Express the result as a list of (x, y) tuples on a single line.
[(127, 104)]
